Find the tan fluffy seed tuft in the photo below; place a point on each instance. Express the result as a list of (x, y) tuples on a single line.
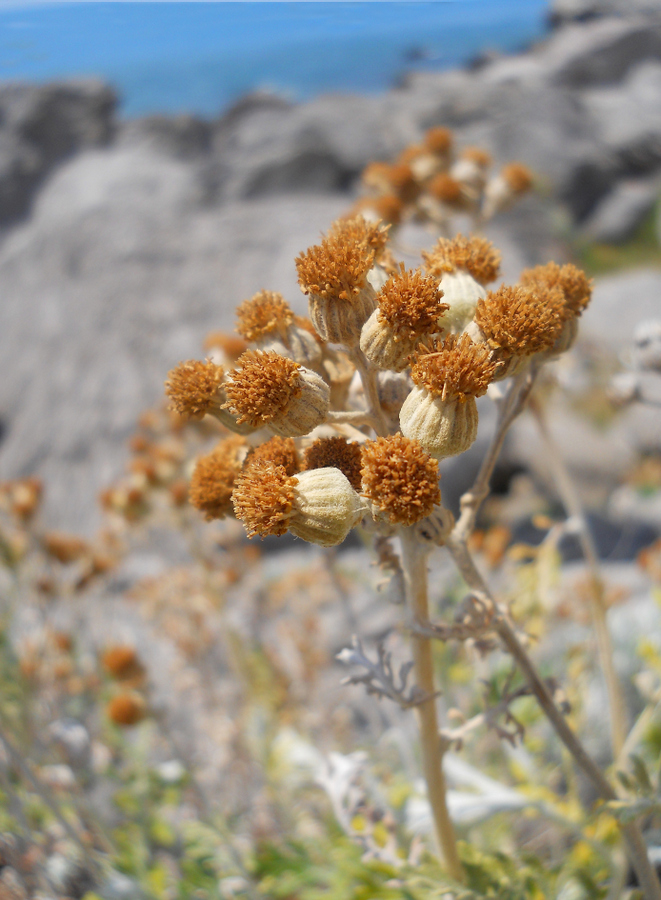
[(400, 479), (336, 269), (574, 283), (477, 155), (517, 322), (262, 386), (446, 189), (193, 387), (517, 177), (230, 344), (279, 451), (264, 498), (438, 140), (371, 235), (338, 453), (265, 313), (410, 304), (127, 708), (454, 368), (474, 254), (214, 476)]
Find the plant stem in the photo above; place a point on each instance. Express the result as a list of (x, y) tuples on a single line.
[(510, 407), (368, 376), (433, 746), (636, 847), (573, 507)]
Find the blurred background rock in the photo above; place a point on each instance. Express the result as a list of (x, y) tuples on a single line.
[(123, 241)]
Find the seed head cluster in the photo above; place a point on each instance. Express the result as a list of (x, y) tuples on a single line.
[(474, 255), (193, 387), (263, 498), (279, 451), (516, 321), (576, 287), (400, 479), (265, 313), (213, 478), (410, 303), (454, 368), (262, 386), (337, 452), (336, 269)]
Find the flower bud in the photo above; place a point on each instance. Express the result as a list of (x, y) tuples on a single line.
[(440, 412), (272, 390), (319, 505)]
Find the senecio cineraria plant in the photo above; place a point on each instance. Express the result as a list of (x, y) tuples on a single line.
[(340, 421)]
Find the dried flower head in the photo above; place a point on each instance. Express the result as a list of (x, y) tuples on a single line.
[(515, 321), (262, 386), (264, 497), (338, 453), (454, 368), (231, 345), (387, 208), (410, 303), (279, 451), (194, 388), (575, 285), (477, 155), (517, 177), (446, 189), (336, 269), (22, 496), (438, 140), (65, 548), (121, 662), (265, 313), (400, 479), (371, 235), (127, 708), (213, 478), (473, 254)]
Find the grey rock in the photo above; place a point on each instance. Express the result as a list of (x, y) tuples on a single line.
[(41, 125), (617, 216), (562, 12), (181, 137), (618, 304)]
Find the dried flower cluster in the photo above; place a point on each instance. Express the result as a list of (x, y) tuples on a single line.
[(420, 345), (432, 181)]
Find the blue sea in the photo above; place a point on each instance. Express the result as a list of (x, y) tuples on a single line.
[(201, 57)]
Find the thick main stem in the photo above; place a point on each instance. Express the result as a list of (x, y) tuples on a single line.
[(636, 848), (433, 747), (573, 507)]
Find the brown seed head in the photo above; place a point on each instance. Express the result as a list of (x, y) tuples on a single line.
[(262, 386), (480, 157), (446, 189), (454, 368), (65, 548), (193, 387), (518, 177), (575, 285), (474, 254), (388, 207), (265, 313), (438, 140), (230, 344), (214, 476), (127, 708), (336, 269), (410, 303), (264, 498), (279, 451), (400, 478), (121, 662), (338, 453), (516, 321), (411, 153), (371, 235)]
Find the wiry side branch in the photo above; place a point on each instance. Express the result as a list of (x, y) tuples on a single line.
[(379, 677), (473, 620), (498, 717)]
